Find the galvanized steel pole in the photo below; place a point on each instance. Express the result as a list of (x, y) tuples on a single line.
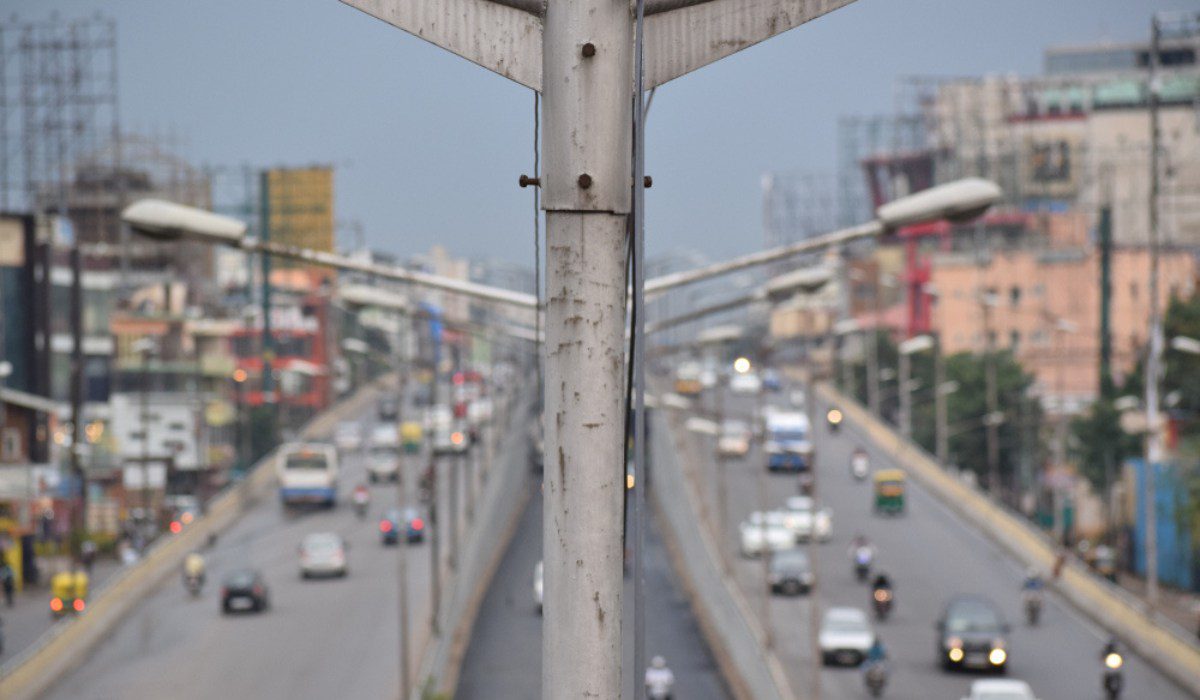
[(1154, 356), (586, 67)]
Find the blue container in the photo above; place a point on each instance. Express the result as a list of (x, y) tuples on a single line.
[(1174, 537)]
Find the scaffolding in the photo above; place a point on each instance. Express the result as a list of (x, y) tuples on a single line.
[(58, 102)]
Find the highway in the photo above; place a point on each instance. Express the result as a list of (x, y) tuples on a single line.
[(504, 659), (335, 638), (930, 555)]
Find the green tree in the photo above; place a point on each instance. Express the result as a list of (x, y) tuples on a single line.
[(1099, 445)]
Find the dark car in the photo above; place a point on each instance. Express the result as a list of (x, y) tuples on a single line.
[(388, 409), (414, 526), (972, 633), (244, 589), (791, 573)]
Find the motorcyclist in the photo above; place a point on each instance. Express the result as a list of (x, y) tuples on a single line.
[(1034, 583), (1112, 659), (193, 567), (859, 462), (659, 679), (361, 498), (877, 653), (861, 550), (882, 583), (875, 667)]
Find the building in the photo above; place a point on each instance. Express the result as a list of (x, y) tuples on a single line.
[(1043, 304)]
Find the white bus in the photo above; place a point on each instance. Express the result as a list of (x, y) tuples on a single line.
[(308, 473)]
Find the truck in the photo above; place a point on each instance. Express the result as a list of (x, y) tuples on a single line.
[(788, 441)]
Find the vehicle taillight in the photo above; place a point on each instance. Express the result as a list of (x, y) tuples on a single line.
[(176, 527), (418, 524), (257, 589), (56, 604), (385, 525), (78, 605)]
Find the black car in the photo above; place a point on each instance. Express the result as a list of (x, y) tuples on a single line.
[(414, 526), (972, 634), (388, 409), (244, 589), (791, 573)]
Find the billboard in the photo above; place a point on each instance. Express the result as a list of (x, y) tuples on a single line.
[(1052, 163), (298, 205)]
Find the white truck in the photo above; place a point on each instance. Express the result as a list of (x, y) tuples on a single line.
[(788, 442), (383, 460)]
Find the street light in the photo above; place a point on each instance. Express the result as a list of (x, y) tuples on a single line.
[(741, 365), (167, 221), (957, 201)]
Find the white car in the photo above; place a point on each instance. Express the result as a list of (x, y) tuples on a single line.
[(745, 383), (759, 534), (804, 519), (734, 440), (845, 636), (538, 586), (1000, 690), (323, 554), (708, 377), (348, 436), (383, 461)]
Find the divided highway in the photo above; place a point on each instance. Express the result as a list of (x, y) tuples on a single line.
[(930, 556), (320, 639)]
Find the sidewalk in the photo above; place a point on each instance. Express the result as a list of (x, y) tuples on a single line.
[(30, 615), (1180, 607)]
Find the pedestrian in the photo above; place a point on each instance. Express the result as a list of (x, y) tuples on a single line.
[(8, 580), (87, 555)]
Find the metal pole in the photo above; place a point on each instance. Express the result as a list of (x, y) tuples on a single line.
[(268, 340), (814, 602), (452, 516), (905, 395), (77, 379), (402, 553), (941, 438), (765, 550), (722, 490), (1153, 360), (993, 427), (586, 93), (435, 547), (639, 357), (145, 434), (873, 353)]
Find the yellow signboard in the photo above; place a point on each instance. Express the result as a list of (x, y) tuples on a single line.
[(300, 207)]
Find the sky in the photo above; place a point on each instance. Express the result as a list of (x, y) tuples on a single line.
[(428, 147)]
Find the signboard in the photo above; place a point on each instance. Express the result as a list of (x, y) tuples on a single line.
[(12, 242), (1052, 164), (300, 208)]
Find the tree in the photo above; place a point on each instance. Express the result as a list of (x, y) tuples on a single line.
[(1099, 445)]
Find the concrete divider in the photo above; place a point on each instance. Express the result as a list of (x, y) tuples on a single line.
[(1176, 657), (497, 514), (733, 633), (68, 643)]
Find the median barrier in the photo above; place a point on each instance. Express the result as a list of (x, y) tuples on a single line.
[(507, 488), (1165, 648), (731, 630), (68, 643)]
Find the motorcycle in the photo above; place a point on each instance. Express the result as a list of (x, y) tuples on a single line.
[(882, 599), (1114, 681), (875, 678), (862, 563), (361, 500), (859, 465), (834, 418), (1033, 607), (193, 584)]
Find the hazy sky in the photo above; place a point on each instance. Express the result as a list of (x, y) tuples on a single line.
[(428, 147)]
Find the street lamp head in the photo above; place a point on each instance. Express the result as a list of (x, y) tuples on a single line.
[(167, 221), (958, 201), (1184, 344), (919, 343), (805, 280)]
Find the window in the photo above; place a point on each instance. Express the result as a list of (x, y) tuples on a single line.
[(1014, 295), (1133, 291), (1014, 340), (176, 425)]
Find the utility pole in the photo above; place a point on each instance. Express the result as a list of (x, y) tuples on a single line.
[(1154, 358), (941, 433), (991, 422), (435, 547), (268, 339), (402, 525), (77, 379), (905, 390), (579, 55)]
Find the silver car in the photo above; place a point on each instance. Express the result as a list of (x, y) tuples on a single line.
[(323, 554)]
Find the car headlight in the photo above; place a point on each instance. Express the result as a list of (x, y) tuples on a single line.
[(955, 654), (997, 657)]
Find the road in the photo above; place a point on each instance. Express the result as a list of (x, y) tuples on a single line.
[(504, 659), (320, 639), (930, 555)]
